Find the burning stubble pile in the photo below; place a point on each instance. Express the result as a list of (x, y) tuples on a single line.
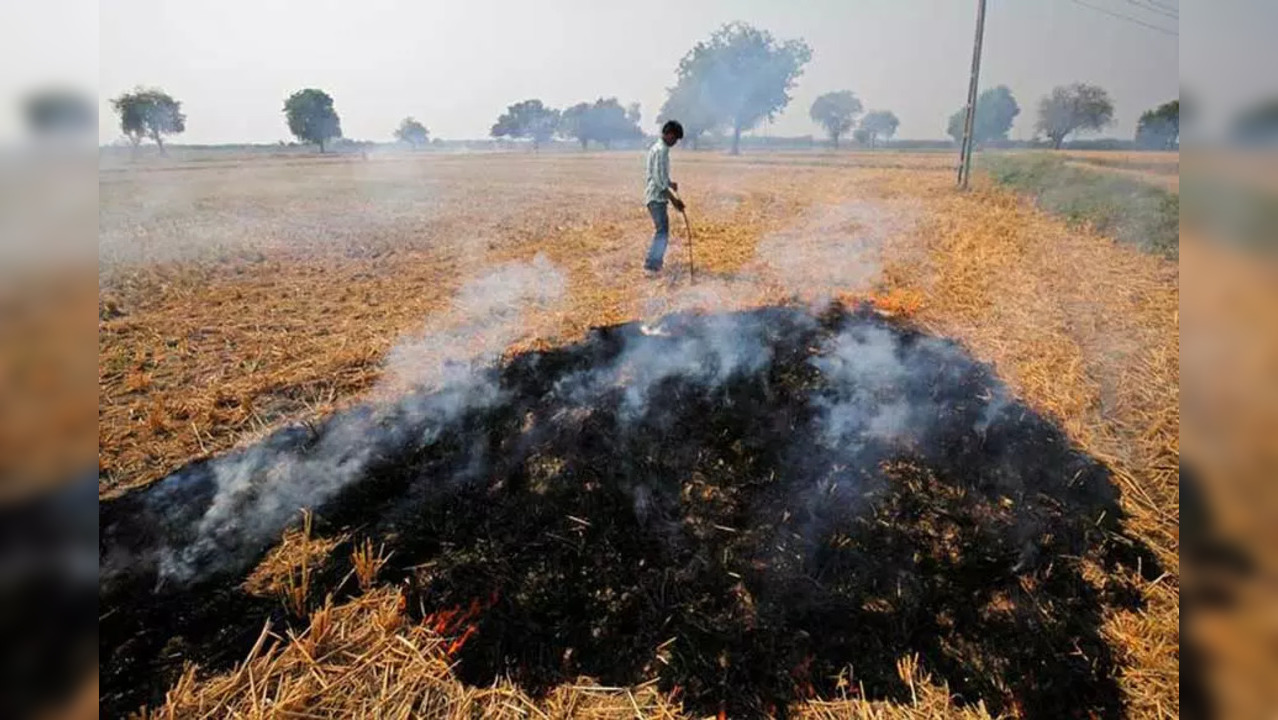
[(753, 509)]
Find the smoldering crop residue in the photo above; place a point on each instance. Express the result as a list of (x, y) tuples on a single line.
[(257, 491), (783, 489)]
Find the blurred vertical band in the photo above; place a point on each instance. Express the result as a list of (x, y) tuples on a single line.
[(1229, 359), (48, 506)]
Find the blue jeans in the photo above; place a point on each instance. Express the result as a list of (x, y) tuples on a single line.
[(661, 220)]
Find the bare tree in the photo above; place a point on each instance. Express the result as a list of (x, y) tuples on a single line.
[(1070, 108)]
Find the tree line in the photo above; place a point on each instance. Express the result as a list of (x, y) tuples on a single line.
[(603, 122), (729, 83), (1065, 111)]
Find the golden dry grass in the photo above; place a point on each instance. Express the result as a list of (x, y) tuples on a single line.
[(210, 353), (46, 425), (1167, 181), (1160, 161), (1229, 357), (1160, 169), (365, 659), (284, 565), (237, 298), (1087, 331)]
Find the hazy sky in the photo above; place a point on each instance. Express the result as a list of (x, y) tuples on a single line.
[(456, 65)]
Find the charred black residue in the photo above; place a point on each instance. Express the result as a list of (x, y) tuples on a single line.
[(746, 506)]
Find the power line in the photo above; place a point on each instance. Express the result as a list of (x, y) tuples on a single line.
[(1169, 8), (1128, 18), (1154, 9)]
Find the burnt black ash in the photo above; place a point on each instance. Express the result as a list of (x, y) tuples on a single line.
[(753, 508)]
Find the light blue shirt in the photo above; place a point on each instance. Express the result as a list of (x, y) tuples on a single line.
[(658, 172)]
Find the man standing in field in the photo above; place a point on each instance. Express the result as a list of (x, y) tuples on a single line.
[(660, 191)]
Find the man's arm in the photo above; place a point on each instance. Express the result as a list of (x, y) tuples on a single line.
[(668, 194)]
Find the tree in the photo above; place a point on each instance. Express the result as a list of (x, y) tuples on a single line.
[(1070, 108), (742, 75), (604, 122), (311, 117), (528, 119), (59, 111), (684, 103), (574, 122), (1159, 128), (879, 124), (412, 132), (996, 108), (149, 113), (836, 112)]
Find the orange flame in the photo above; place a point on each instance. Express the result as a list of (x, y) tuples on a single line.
[(897, 301), (457, 623)]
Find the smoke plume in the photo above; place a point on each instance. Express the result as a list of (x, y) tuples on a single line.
[(258, 491)]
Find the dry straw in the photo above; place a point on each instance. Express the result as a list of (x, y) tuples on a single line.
[(1082, 329)]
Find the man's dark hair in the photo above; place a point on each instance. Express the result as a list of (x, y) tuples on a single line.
[(673, 127)]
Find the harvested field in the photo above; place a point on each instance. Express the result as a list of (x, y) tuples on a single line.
[(1132, 210), (685, 566), (1160, 169), (1157, 162), (1157, 177)]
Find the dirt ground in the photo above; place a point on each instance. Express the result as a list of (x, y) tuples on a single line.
[(238, 296)]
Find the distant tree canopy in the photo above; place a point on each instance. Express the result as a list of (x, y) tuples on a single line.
[(603, 121), (1159, 129), (738, 77), (683, 103), (412, 132), (836, 112), (878, 125), (1070, 108), (996, 109), (528, 119), (58, 111), (149, 113), (311, 117), (1257, 125)]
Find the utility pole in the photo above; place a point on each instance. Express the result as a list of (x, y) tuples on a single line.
[(965, 152)]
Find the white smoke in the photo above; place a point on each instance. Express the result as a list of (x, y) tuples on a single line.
[(877, 394), (870, 372), (718, 348), (836, 247), (488, 315), (260, 490)]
